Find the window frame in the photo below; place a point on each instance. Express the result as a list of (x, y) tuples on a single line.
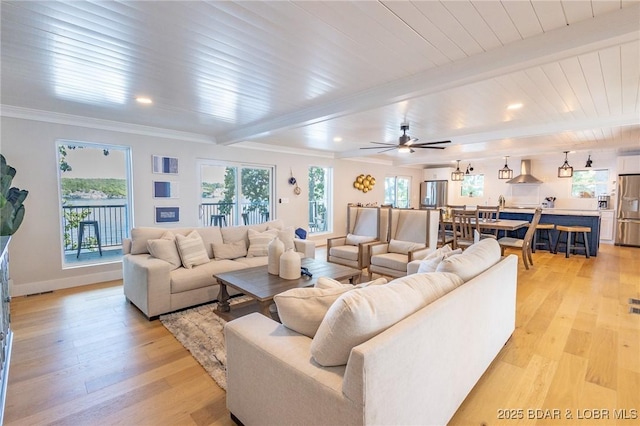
[(395, 179), (317, 226), (598, 185)]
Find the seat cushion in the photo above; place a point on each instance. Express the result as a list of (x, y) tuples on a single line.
[(360, 314), (345, 252), (250, 262), (183, 279), (354, 240), (394, 261), (404, 247)]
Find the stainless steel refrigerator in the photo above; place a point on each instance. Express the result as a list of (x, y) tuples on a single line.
[(628, 220), (433, 194)]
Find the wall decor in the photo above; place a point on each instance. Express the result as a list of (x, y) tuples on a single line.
[(167, 214), (164, 165), (165, 189), (364, 183)]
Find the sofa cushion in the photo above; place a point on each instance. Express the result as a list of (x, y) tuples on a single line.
[(404, 247), (360, 314), (302, 309), (395, 261), (431, 262), (231, 250), (326, 282), (231, 234), (259, 241), (140, 236), (210, 235), (191, 249), (354, 240), (250, 262), (200, 276), (287, 236), (345, 252), (477, 258), (165, 248)]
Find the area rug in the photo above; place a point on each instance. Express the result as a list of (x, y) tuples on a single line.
[(200, 330)]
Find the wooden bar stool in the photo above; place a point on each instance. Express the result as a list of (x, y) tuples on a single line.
[(577, 230), (96, 230), (218, 220), (543, 237)]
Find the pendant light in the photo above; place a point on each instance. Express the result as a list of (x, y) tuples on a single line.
[(565, 170), (505, 172), (469, 169), (458, 175), (589, 162)]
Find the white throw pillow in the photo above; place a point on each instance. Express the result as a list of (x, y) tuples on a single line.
[(354, 240), (302, 309), (326, 282), (165, 248), (404, 247), (259, 241), (232, 250), (476, 259), (192, 250), (287, 236), (360, 314), (430, 263)]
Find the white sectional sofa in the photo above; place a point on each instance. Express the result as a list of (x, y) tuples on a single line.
[(161, 284), (417, 371)]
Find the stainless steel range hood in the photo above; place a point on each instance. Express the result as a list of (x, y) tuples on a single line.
[(525, 174)]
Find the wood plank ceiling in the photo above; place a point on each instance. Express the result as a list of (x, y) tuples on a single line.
[(332, 76)]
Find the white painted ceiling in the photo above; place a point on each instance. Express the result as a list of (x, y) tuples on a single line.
[(294, 76)]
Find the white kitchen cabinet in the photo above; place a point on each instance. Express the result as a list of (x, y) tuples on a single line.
[(607, 222), (628, 164)]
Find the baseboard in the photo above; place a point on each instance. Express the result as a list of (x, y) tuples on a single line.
[(62, 283)]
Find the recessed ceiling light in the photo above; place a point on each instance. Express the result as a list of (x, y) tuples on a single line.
[(337, 139), (144, 100), (515, 106)]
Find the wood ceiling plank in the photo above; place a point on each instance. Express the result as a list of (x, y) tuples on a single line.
[(465, 13), (550, 14), (524, 18), (558, 79), (577, 11), (592, 71), (575, 76), (612, 72), (498, 19), (630, 78)]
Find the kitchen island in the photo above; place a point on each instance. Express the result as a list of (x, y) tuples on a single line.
[(589, 218)]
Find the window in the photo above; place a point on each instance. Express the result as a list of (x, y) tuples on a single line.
[(320, 196), (589, 183), (235, 194), (396, 191), (472, 186), (95, 199)]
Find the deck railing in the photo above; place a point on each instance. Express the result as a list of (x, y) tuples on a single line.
[(112, 223), (251, 213)]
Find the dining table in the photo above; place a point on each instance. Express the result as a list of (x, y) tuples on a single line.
[(505, 225)]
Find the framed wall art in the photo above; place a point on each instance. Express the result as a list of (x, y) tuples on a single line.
[(167, 214), (165, 189), (164, 165)]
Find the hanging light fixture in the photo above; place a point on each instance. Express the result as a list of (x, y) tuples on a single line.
[(589, 162), (565, 170), (469, 169), (458, 175), (505, 172)]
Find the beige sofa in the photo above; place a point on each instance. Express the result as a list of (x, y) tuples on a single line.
[(158, 286), (417, 371)]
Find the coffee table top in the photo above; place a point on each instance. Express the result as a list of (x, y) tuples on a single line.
[(261, 285)]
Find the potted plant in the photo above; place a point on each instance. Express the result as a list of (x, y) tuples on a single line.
[(11, 200)]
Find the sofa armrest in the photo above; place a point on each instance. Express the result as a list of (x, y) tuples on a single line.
[(271, 378), (147, 283), (307, 247), (126, 246), (420, 253), (379, 248), (335, 242)]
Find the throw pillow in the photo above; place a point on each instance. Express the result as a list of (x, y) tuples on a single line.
[(354, 240), (302, 309), (477, 258), (259, 241), (361, 314), (404, 247), (165, 248), (232, 250), (287, 236), (326, 282), (192, 250), (431, 262)]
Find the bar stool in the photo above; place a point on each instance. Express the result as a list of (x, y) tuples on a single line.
[(218, 220), (543, 237), (96, 229), (571, 230)]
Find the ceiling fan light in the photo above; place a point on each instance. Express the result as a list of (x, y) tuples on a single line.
[(458, 175), (404, 150), (565, 171), (505, 172)]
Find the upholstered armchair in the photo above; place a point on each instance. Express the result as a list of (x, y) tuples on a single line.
[(365, 226), (413, 234)]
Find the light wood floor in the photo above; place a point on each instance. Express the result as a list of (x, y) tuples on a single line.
[(85, 356)]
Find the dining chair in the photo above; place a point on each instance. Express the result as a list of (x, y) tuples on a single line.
[(486, 214), (462, 222), (523, 243), (445, 233)]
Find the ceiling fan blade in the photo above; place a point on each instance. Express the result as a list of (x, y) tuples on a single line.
[(429, 143), (383, 143), (389, 149), (429, 147), (411, 141), (379, 147)]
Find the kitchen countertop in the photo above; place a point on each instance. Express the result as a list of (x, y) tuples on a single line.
[(565, 212)]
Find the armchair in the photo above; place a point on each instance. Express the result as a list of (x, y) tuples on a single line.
[(413, 234), (365, 226)]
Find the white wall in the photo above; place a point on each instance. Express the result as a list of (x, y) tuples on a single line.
[(544, 168), (35, 250)]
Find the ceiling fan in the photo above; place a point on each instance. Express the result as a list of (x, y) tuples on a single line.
[(405, 143)]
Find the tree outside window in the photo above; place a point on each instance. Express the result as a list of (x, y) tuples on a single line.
[(589, 183), (319, 199), (472, 186), (396, 191)]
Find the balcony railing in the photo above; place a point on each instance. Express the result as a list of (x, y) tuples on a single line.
[(251, 213), (317, 216), (112, 223)]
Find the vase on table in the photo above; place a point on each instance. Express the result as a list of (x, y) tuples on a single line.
[(274, 252), (290, 265)]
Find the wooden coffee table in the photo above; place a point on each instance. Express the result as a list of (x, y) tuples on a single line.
[(262, 286)]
